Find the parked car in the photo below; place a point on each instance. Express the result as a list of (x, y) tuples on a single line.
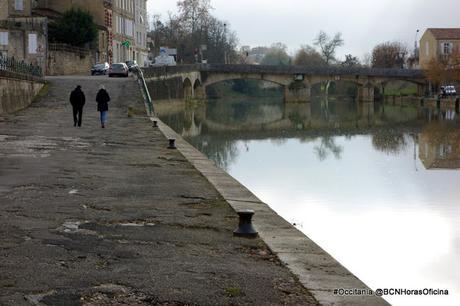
[(448, 90), (101, 68), (120, 69), (132, 65)]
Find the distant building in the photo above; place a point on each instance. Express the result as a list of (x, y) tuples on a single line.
[(438, 43), (22, 35)]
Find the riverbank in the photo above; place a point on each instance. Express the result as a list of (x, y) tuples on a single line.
[(95, 216), (318, 271)]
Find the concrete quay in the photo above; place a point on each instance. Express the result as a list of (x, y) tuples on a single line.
[(93, 216)]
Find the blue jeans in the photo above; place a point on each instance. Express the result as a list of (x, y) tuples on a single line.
[(104, 115)]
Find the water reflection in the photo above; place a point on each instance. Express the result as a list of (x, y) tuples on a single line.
[(373, 184)]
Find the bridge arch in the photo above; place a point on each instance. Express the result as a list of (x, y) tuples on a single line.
[(390, 86), (198, 90), (222, 77), (188, 89)]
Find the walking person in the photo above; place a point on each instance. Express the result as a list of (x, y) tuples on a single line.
[(102, 99), (77, 99)]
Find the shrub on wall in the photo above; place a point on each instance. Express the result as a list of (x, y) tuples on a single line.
[(75, 27)]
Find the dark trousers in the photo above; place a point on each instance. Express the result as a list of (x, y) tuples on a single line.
[(77, 115)]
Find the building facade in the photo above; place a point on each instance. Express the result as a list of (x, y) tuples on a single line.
[(439, 43), (22, 35), (141, 28), (123, 34)]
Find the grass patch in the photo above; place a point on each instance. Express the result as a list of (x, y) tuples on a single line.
[(233, 291), (43, 92)]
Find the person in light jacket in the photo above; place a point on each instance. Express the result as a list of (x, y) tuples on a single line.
[(102, 100)]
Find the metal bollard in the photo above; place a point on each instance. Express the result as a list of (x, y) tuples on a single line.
[(172, 143), (245, 228), (155, 124)]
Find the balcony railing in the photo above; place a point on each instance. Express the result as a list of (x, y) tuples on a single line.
[(20, 67)]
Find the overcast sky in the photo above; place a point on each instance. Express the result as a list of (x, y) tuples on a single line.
[(363, 23)]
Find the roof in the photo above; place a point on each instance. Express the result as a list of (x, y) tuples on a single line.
[(445, 33)]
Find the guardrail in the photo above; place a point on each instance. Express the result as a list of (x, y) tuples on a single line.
[(267, 69), (145, 91), (19, 67)]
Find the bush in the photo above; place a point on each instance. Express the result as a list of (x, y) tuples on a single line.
[(75, 27)]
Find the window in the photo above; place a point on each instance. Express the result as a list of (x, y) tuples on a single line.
[(427, 48), (32, 43), (129, 27), (446, 48), (4, 38), (19, 5)]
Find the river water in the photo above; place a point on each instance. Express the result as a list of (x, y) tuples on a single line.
[(375, 185)]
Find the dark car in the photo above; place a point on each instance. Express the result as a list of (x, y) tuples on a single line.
[(132, 65), (118, 69), (102, 68)]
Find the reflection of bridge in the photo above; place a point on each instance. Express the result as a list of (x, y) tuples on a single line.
[(296, 80), (291, 120)]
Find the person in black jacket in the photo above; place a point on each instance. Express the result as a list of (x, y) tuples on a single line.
[(77, 99), (102, 100)]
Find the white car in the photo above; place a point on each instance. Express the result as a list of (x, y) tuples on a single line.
[(448, 90)]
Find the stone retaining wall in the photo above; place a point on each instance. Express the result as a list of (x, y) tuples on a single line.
[(17, 92), (62, 62)]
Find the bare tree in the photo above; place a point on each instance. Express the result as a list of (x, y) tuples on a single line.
[(328, 45), (389, 55), (193, 27), (351, 61)]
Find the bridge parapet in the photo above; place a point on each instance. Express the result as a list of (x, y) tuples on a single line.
[(293, 70), (152, 72)]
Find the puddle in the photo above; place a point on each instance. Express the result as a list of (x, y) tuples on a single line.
[(137, 224), (71, 226)]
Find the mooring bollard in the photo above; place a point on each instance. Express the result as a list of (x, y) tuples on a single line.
[(172, 143), (155, 124), (245, 228)]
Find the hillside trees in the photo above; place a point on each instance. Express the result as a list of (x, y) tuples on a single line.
[(276, 55), (308, 56)]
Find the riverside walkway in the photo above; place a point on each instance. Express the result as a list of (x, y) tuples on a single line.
[(92, 216)]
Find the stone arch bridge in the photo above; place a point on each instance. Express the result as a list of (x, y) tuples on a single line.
[(296, 81)]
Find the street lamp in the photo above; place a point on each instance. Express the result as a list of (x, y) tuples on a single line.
[(416, 51), (416, 34)]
